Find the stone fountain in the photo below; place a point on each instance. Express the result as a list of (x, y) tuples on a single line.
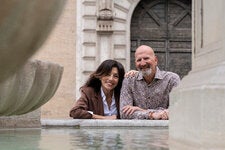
[(26, 85)]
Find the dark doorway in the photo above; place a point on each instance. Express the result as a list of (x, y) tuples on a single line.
[(164, 25)]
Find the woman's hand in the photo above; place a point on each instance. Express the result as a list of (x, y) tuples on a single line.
[(113, 117), (130, 73)]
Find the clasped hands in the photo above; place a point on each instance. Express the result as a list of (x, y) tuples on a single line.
[(157, 115)]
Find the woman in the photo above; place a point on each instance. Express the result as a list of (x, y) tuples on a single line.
[(100, 94)]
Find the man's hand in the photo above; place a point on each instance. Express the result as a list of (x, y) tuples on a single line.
[(129, 110), (159, 115), (165, 115)]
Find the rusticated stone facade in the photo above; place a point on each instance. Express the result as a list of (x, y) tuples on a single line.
[(87, 33)]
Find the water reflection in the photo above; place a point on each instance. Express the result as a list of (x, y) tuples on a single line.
[(22, 139), (85, 138), (97, 139)]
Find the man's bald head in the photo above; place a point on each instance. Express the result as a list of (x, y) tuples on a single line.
[(144, 48)]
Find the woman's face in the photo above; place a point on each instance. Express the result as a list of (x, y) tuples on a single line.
[(110, 81)]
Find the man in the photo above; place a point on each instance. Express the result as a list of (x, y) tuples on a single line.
[(146, 94)]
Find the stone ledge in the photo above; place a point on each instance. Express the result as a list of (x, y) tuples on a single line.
[(103, 123)]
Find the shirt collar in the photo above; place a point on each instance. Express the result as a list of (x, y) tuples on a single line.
[(104, 97), (103, 94), (158, 74)]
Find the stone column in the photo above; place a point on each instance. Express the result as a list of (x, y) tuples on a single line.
[(104, 30), (197, 114)]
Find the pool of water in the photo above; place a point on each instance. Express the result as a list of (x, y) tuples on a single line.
[(110, 138)]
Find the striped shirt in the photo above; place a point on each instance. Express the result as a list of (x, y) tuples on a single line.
[(113, 109)]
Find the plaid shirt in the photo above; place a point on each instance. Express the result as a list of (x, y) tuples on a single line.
[(152, 97)]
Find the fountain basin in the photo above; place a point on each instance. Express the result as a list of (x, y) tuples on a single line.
[(29, 88)]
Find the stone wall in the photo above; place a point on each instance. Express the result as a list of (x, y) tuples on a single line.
[(60, 48), (29, 120)]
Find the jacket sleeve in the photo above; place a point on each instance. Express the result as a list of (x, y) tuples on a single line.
[(80, 109)]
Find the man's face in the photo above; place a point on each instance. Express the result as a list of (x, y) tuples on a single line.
[(145, 61)]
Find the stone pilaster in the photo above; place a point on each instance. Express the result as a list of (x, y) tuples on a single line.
[(197, 105)]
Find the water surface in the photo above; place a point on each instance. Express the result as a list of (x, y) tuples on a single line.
[(133, 138)]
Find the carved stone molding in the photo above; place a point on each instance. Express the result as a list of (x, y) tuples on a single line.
[(105, 10), (105, 16), (105, 26)]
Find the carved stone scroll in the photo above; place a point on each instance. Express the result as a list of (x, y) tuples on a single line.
[(105, 16)]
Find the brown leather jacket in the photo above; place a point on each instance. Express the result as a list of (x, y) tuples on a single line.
[(89, 101)]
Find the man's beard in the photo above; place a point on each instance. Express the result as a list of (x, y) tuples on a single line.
[(146, 71)]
